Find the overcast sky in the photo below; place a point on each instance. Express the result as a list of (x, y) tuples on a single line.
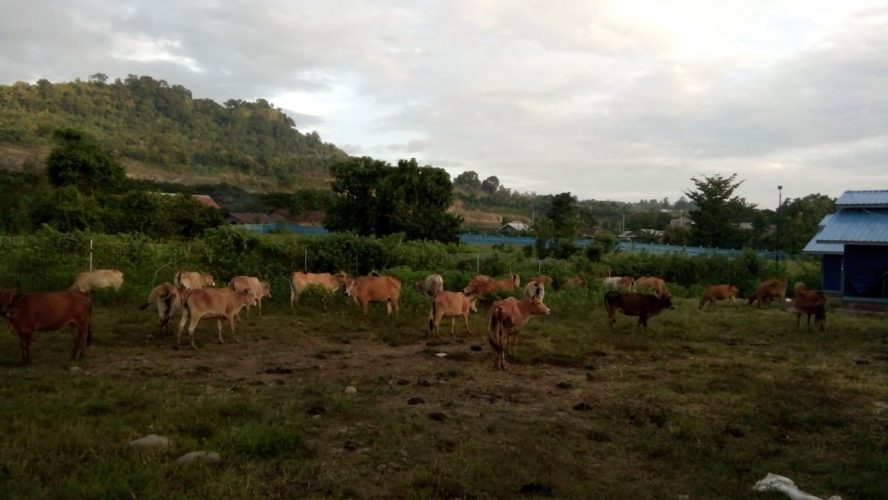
[(618, 100)]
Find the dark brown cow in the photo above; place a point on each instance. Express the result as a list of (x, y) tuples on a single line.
[(768, 290), (27, 313), (810, 302), (635, 304), (505, 320)]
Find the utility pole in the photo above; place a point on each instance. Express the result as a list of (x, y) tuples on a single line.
[(779, 202)]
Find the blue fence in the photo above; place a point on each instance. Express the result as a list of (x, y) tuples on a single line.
[(496, 239)]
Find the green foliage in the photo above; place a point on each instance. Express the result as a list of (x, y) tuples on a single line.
[(79, 161), (151, 121), (717, 211), (377, 199), (66, 209)]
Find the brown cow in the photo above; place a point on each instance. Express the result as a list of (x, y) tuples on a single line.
[(97, 279), (212, 303), (573, 282), (300, 281), (190, 280), (634, 304), (542, 278), (809, 302), (505, 320), (367, 289), (618, 283), (482, 285), (653, 283), (719, 292), (27, 313), (768, 290), (168, 300), (431, 285), (252, 285), (450, 305)]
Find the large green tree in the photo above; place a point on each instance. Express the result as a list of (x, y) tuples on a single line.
[(799, 220), (79, 161), (375, 198), (717, 211)]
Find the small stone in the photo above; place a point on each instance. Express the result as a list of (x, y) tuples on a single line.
[(565, 385), (316, 410), (351, 390), (151, 441), (208, 457), (582, 407), (75, 369), (476, 348), (403, 381), (437, 416), (441, 354), (416, 401), (351, 445)]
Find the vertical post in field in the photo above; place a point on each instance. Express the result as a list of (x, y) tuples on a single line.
[(90, 254)]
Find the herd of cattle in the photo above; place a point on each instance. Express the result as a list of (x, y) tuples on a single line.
[(194, 296)]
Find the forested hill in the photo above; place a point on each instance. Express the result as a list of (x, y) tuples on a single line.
[(157, 127)]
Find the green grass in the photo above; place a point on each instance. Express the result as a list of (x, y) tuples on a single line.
[(702, 404)]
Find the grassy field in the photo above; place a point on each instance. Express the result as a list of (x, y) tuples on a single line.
[(701, 406)]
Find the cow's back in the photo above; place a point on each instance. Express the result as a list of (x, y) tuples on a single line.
[(52, 310)]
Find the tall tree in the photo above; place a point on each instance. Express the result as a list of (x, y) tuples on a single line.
[(565, 216), (79, 161), (354, 181), (716, 211), (490, 184), (468, 179)]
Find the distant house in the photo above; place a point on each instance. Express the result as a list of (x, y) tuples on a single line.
[(203, 199), (513, 228), (683, 221), (853, 243)]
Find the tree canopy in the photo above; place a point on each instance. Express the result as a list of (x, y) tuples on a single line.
[(717, 211), (78, 161)]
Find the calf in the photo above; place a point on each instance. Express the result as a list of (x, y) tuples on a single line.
[(212, 303), (634, 304), (367, 289), (535, 289), (27, 313), (431, 285), (719, 292), (300, 281), (505, 320), (653, 283), (809, 302), (252, 285), (98, 279), (450, 305), (618, 283), (190, 280), (768, 290), (168, 300)]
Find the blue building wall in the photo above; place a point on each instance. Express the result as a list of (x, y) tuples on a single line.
[(832, 273)]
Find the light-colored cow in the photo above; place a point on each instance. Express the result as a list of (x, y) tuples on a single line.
[(450, 305), (212, 303), (299, 281), (535, 290), (625, 283), (252, 285), (167, 299), (98, 279), (431, 285), (191, 280), (367, 289), (654, 284)]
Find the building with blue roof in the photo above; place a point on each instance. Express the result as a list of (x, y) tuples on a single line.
[(853, 243)]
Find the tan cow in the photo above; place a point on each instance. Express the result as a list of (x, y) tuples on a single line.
[(618, 283), (299, 281), (168, 300), (98, 279), (719, 292), (191, 280), (542, 278), (535, 290), (27, 313), (482, 285), (252, 285), (212, 303), (505, 320), (431, 285), (654, 284), (768, 290), (367, 289), (809, 302), (573, 282), (450, 305)]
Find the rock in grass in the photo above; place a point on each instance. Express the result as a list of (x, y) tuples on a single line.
[(208, 457), (416, 400), (351, 390), (438, 416), (150, 442)]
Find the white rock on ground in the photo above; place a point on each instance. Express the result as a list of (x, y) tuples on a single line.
[(785, 485), (151, 441), (351, 390), (199, 456)]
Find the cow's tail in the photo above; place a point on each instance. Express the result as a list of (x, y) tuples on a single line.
[(432, 316), (89, 329), (607, 303)]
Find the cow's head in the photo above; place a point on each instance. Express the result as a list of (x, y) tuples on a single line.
[(8, 299), (473, 304), (207, 279), (538, 308), (666, 301), (266, 289)]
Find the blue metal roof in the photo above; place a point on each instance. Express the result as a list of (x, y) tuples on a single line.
[(877, 198), (830, 248), (856, 226)]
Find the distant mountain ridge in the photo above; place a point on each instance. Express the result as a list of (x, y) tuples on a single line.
[(160, 132)]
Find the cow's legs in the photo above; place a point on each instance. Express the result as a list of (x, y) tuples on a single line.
[(79, 341), (25, 339), (192, 325), (452, 325), (233, 333), (219, 327), (365, 306), (466, 316), (185, 317)]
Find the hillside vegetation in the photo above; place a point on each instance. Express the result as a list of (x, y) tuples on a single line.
[(156, 128)]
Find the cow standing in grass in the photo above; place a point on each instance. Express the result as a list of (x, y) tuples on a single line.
[(719, 292), (190, 280), (212, 303), (27, 313), (505, 320), (450, 305), (98, 279), (769, 290), (809, 302), (300, 281), (167, 298), (431, 285), (642, 305), (367, 289)]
